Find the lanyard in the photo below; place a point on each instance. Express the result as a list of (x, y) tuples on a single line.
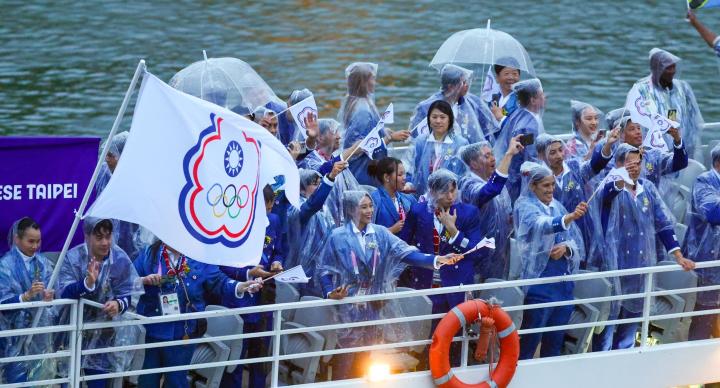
[(356, 269)]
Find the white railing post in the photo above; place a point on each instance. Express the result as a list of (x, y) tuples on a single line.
[(465, 340), (646, 309), (73, 362), (277, 325), (77, 338)]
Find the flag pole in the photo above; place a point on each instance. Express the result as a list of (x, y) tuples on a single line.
[(79, 212)]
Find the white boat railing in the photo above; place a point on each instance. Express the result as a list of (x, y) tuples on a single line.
[(77, 326)]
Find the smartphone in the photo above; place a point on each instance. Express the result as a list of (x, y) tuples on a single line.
[(601, 133), (672, 114), (527, 139)]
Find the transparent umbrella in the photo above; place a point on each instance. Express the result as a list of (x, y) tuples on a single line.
[(477, 48), (228, 82)]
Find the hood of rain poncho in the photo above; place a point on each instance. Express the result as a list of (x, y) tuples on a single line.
[(715, 155), (15, 279), (659, 61), (547, 141), (299, 95), (472, 152), (228, 82), (529, 86), (612, 118), (534, 234), (89, 223), (621, 152), (532, 172), (702, 241), (328, 125), (308, 177), (351, 205), (383, 254), (358, 98), (576, 111), (117, 144), (542, 141), (440, 182), (451, 79), (13, 232)]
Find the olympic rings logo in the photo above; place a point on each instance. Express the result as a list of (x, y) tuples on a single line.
[(229, 198)]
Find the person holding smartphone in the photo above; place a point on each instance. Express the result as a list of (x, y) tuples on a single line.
[(526, 121), (504, 102), (708, 36)]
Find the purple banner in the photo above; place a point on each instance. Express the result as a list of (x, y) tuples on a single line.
[(45, 178)]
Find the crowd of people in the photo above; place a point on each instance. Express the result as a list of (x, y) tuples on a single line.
[(476, 167)]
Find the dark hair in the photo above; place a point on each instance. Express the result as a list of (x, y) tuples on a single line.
[(443, 107), (24, 224), (268, 193), (102, 227), (380, 167)]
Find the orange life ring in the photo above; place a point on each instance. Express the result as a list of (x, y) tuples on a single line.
[(460, 316)]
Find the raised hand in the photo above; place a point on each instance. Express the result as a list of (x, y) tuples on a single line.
[(311, 123), (338, 167)]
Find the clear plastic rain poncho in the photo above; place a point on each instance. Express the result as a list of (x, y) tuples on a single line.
[(16, 278), (228, 82), (115, 150), (496, 215), (359, 115), (313, 160), (680, 99), (587, 120), (117, 278), (574, 186), (537, 230), (471, 121), (702, 241), (430, 155), (628, 239), (308, 235), (522, 120), (374, 267)]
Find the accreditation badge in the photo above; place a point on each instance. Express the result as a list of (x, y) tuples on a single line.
[(169, 303)]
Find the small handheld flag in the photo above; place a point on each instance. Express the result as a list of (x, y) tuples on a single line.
[(300, 112), (388, 116)]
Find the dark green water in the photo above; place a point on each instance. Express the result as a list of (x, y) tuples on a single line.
[(64, 66)]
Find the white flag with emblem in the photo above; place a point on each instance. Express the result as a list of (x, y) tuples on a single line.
[(293, 275), (373, 140), (388, 116), (193, 174), (300, 112)]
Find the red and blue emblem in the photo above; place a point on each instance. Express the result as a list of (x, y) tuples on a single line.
[(222, 173)]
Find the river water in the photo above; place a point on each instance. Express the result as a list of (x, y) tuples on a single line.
[(65, 65)]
